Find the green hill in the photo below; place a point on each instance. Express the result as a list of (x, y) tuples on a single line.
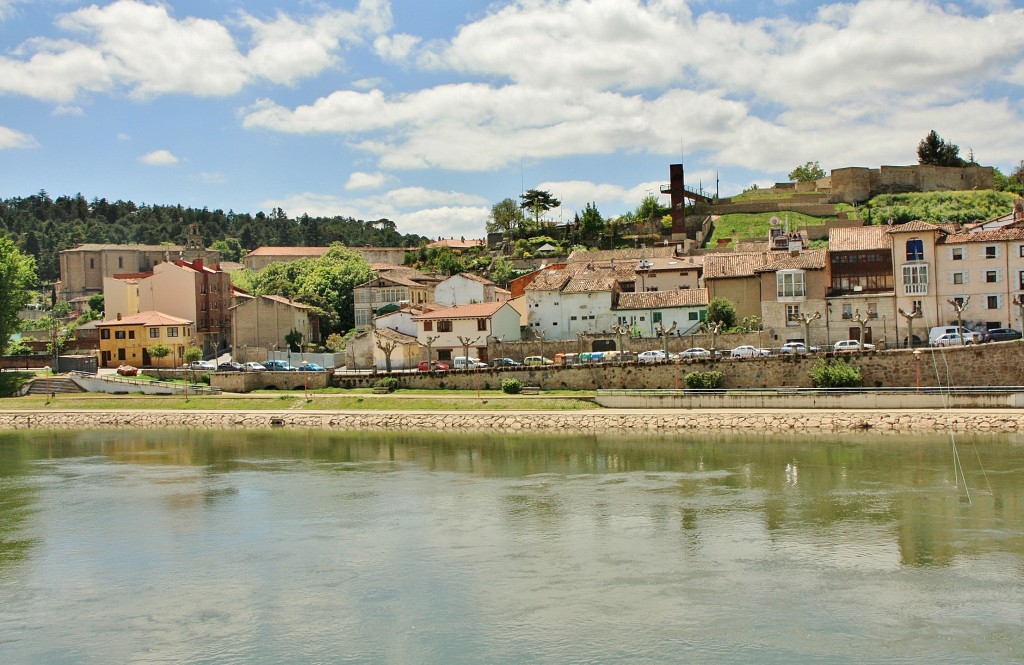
[(938, 207), (755, 225)]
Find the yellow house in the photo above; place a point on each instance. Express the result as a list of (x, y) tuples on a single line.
[(126, 340)]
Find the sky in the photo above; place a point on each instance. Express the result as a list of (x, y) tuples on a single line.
[(428, 113)]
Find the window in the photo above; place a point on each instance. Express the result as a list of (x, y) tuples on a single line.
[(693, 316), (792, 315), (105, 333), (991, 276), (92, 262), (1020, 250), (154, 333), (428, 326), (131, 334), (119, 334), (958, 301), (1020, 278), (847, 310), (917, 306), (957, 253), (481, 325), (444, 326), (958, 278), (790, 283), (655, 317), (915, 249), (992, 302), (172, 332), (872, 310), (991, 251), (120, 262), (915, 279)]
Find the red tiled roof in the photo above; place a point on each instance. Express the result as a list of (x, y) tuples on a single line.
[(995, 235), (482, 310), (718, 266), (149, 318), (394, 335), (808, 259), (858, 238), (655, 299)]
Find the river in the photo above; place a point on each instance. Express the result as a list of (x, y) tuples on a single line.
[(274, 547)]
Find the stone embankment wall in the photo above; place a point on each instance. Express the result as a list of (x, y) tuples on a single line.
[(997, 364), (596, 422)]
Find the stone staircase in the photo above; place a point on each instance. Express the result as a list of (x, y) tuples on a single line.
[(58, 385)]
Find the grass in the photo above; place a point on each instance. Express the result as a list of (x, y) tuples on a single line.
[(960, 207), (278, 401), (756, 225)]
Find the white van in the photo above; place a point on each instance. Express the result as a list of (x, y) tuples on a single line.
[(969, 336), (462, 362)]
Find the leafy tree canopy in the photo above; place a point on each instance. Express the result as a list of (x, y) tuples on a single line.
[(506, 217), (809, 172), (722, 310), (935, 151), (17, 277), (538, 201)]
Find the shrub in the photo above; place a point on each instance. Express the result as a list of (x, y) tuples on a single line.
[(835, 374), (511, 386), (389, 382), (710, 379)]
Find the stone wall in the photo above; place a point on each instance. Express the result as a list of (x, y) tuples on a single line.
[(856, 184), (591, 422), (997, 364)]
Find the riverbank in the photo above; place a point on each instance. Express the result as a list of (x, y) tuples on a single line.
[(635, 421)]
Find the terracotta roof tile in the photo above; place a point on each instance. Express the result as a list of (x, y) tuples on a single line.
[(655, 299), (149, 318), (857, 238), (590, 283), (918, 226), (721, 266), (607, 255), (394, 335), (995, 235), (480, 310), (809, 259)]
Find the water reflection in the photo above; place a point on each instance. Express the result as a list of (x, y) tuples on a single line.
[(270, 546)]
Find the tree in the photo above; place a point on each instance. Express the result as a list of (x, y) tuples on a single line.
[(96, 302), (17, 277), (538, 201), (591, 224), (230, 249), (506, 217), (721, 310), (936, 152), (809, 172), (503, 272), (294, 340), (158, 352), (650, 208)]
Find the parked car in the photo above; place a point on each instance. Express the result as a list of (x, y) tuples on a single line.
[(127, 370), (201, 366), (695, 352), (434, 366), (1001, 335), (797, 348), (653, 356), (952, 339), (462, 362), (748, 351), (969, 336), (306, 366), (278, 366), (231, 366), (534, 361), (506, 362), (254, 367), (850, 345)]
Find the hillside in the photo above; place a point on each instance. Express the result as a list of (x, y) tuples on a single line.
[(938, 207)]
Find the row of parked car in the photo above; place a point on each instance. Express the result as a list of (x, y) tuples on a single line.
[(266, 366)]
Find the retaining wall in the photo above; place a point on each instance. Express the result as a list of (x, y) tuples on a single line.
[(596, 422)]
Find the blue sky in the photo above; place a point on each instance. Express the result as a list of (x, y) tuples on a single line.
[(429, 112)]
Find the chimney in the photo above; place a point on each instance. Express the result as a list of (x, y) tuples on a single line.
[(197, 264), (119, 316)]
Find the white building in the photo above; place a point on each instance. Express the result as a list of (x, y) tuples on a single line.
[(686, 309), (467, 289), (449, 330)]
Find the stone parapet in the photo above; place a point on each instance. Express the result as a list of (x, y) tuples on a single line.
[(642, 422)]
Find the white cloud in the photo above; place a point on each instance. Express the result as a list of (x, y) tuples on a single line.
[(360, 180), (159, 158), (10, 138), (396, 48), (67, 109), (213, 178), (413, 209), (140, 47)]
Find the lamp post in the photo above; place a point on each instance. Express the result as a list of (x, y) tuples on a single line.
[(917, 364)]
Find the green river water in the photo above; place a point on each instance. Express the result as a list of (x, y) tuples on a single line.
[(284, 547)]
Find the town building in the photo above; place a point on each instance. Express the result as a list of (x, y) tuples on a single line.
[(466, 289), (261, 324), (128, 339), (453, 330), (647, 313), (394, 286)]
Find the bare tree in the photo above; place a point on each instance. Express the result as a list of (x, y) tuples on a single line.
[(806, 320), (862, 321), (466, 342), (388, 346), (664, 332), (430, 343), (915, 314), (713, 328), (959, 306), (619, 332)]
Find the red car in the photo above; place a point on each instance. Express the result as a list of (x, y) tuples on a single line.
[(433, 367), (127, 370)]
